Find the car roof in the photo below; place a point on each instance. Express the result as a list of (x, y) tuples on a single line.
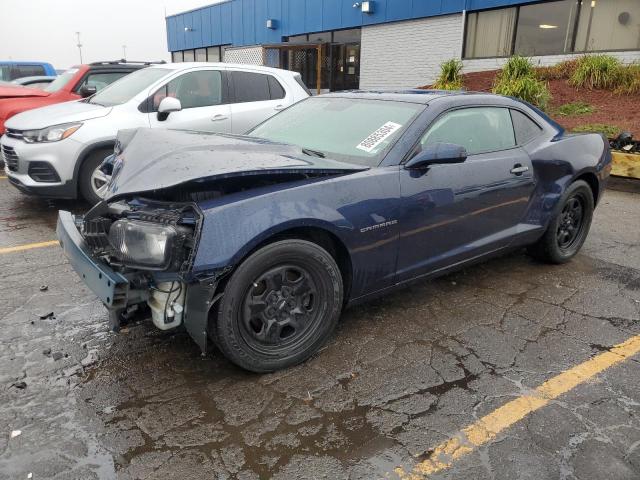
[(415, 95), (424, 96), (22, 62), (188, 65)]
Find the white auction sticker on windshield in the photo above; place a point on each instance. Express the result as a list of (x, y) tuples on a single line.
[(370, 143)]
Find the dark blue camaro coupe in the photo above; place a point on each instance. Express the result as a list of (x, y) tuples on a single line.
[(256, 243)]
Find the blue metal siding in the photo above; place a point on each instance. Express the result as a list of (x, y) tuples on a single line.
[(243, 22)]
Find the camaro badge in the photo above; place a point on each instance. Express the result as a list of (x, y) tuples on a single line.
[(379, 225)]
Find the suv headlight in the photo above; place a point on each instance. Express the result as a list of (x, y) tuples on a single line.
[(143, 244), (54, 133)]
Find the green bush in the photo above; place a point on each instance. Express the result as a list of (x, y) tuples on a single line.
[(597, 71), (609, 131), (518, 79), (450, 77), (517, 67), (575, 108)]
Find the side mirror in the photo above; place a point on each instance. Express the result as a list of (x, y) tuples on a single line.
[(88, 90), (437, 153), (168, 105)]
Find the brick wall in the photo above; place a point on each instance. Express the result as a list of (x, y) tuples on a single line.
[(408, 54)]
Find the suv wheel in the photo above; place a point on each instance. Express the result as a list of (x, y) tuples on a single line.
[(280, 306), (92, 182)]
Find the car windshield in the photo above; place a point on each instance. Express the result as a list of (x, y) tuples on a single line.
[(61, 80), (347, 129), (123, 90)]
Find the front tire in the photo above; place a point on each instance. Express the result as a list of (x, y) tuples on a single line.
[(92, 183), (280, 306), (569, 227)]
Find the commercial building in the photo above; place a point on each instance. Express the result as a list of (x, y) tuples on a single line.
[(344, 44)]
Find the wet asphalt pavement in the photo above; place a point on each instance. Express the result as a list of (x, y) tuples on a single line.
[(403, 374)]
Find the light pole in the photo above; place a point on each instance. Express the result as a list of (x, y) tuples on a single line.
[(124, 52), (79, 45)]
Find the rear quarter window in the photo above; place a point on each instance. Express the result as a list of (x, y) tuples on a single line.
[(524, 128)]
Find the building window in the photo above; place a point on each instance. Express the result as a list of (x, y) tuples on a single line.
[(176, 57), (552, 28), (213, 54), (546, 28), (188, 55), (490, 34), (352, 35), (608, 25), (201, 55), (298, 39)]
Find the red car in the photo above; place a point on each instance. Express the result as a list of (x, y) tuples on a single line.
[(77, 82)]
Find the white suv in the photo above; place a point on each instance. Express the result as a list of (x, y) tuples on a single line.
[(56, 151)]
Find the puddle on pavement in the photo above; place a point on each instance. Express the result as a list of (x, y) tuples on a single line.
[(167, 398)]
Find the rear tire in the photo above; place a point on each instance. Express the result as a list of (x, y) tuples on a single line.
[(569, 226), (89, 179), (279, 307)]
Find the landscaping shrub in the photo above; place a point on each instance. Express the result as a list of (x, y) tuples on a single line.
[(450, 75), (629, 80), (561, 71), (596, 71), (517, 67), (518, 79), (609, 131), (575, 108)]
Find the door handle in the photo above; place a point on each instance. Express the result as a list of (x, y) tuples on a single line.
[(277, 108), (519, 169), (217, 118)]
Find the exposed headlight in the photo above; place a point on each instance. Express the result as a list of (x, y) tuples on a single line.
[(54, 133), (143, 244)]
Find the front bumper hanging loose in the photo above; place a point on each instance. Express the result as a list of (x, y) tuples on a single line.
[(109, 286)]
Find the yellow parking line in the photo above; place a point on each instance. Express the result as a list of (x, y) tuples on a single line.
[(1, 177), (488, 427), (28, 246)]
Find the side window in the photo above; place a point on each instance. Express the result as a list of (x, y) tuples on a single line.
[(525, 128), (250, 87), (29, 70), (194, 89), (275, 88), (478, 129), (100, 80)]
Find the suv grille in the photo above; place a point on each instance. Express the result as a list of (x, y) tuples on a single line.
[(13, 133), (10, 158)]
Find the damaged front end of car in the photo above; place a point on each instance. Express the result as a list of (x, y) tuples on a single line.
[(138, 248), (138, 253)]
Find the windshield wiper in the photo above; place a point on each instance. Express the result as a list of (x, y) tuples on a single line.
[(313, 153)]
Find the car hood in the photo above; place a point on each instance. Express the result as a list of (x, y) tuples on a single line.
[(17, 91), (77, 111), (153, 159)]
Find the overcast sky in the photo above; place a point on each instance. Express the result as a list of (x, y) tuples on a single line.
[(44, 30)]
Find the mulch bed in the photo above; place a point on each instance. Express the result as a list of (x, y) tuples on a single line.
[(623, 111)]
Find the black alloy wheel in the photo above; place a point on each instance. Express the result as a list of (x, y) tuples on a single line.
[(279, 307), (570, 223), (568, 228)]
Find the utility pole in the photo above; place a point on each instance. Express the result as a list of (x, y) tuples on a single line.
[(124, 52), (79, 45)]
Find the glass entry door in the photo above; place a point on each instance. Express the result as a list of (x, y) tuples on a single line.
[(345, 66)]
